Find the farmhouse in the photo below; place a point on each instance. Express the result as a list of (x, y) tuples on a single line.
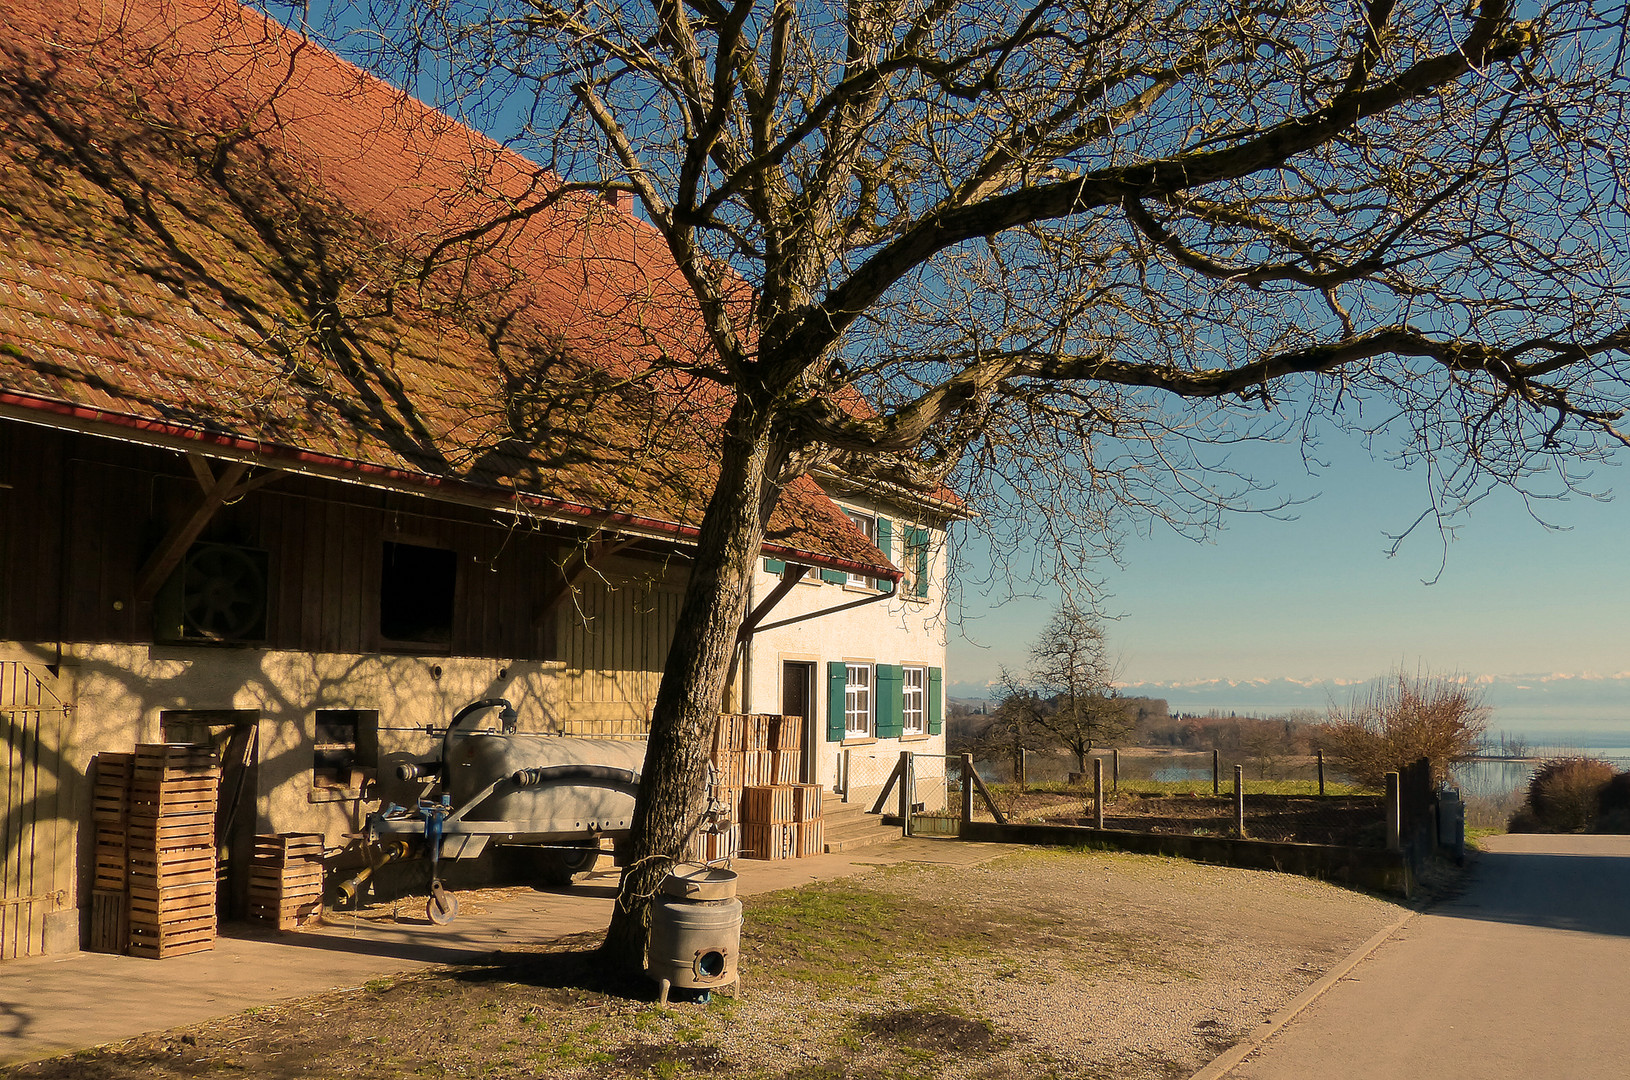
[(322, 415)]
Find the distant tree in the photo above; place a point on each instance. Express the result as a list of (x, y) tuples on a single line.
[(1067, 696), (1402, 718)]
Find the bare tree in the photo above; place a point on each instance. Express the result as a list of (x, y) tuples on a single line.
[(1067, 695), (1065, 251), (1402, 718)]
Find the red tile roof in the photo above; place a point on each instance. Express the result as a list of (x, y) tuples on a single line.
[(211, 231)]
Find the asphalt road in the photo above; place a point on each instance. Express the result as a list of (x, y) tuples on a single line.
[(1524, 975)]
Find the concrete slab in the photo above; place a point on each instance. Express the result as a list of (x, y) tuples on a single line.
[(52, 1005)]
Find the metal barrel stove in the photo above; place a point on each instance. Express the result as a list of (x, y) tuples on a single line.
[(695, 941)]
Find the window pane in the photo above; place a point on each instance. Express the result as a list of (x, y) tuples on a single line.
[(913, 716), (858, 701)]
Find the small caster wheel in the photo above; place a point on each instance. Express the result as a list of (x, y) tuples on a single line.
[(442, 907)]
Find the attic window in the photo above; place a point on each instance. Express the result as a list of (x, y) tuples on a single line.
[(416, 594), (868, 525)]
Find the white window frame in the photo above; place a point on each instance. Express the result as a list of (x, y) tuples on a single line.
[(914, 699), (866, 523), (860, 701)]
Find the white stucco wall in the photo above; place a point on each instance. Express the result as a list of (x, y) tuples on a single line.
[(900, 630)]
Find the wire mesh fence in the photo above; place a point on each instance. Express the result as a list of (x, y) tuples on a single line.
[(1187, 794)]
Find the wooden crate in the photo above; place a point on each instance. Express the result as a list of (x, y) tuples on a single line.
[(110, 790), (806, 802), (786, 733), (707, 847), (289, 914), (112, 860), (779, 841), (811, 838), (185, 794), (727, 801), (730, 735), (170, 831), (171, 868), (786, 766), (767, 804), (281, 849), (286, 881), (110, 921), (177, 758), (161, 943)]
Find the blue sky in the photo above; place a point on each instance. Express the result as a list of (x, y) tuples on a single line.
[(1275, 614)]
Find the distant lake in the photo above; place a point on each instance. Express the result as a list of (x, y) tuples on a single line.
[(1494, 779)]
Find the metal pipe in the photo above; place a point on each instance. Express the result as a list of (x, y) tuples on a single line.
[(349, 888)]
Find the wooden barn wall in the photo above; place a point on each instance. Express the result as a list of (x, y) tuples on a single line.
[(615, 641), (79, 515)]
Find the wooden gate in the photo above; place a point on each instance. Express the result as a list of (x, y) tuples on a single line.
[(38, 829)]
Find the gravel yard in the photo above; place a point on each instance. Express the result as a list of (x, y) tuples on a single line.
[(1039, 963)]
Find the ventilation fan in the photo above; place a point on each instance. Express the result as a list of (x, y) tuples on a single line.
[(218, 593)]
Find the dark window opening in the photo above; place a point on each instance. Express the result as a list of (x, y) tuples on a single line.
[(346, 753), (416, 594)]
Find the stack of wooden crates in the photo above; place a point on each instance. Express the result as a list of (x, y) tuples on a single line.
[(155, 885), (781, 821), (286, 880), (752, 752)]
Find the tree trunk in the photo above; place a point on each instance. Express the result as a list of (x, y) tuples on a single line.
[(672, 784)]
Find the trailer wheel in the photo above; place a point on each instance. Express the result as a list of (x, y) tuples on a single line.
[(442, 906), (560, 865)]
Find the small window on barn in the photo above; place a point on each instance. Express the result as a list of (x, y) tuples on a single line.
[(346, 752), (416, 594)]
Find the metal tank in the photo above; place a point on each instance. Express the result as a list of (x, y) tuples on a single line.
[(561, 794)]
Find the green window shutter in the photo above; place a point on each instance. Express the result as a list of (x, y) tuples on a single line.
[(885, 538), (936, 722), (774, 566), (837, 686), (917, 546), (834, 577), (890, 700)]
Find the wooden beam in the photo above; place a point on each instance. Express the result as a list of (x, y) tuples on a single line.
[(791, 576), (230, 486)]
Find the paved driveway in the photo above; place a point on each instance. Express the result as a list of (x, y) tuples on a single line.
[(1524, 975)]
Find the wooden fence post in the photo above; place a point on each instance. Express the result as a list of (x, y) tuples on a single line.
[(1320, 753), (1117, 777), (1239, 801), (1216, 772), (1098, 792), (1394, 822), (967, 788), (907, 793)]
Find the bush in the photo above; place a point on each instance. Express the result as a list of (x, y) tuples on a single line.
[(1403, 718), (1566, 793)]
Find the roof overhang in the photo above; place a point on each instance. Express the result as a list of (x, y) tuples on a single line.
[(160, 434)]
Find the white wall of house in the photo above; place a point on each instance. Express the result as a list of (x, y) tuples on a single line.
[(895, 644)]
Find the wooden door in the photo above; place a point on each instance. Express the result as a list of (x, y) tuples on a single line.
[(39, 831), (798, 699)]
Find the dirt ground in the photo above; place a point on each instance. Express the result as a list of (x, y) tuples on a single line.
[(1040, 964)]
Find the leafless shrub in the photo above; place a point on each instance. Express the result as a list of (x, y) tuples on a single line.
[(1566, 793), (1402, 718)]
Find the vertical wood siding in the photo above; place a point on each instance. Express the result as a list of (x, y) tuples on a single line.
[(80, 515), (36, 878), (616, 637)]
